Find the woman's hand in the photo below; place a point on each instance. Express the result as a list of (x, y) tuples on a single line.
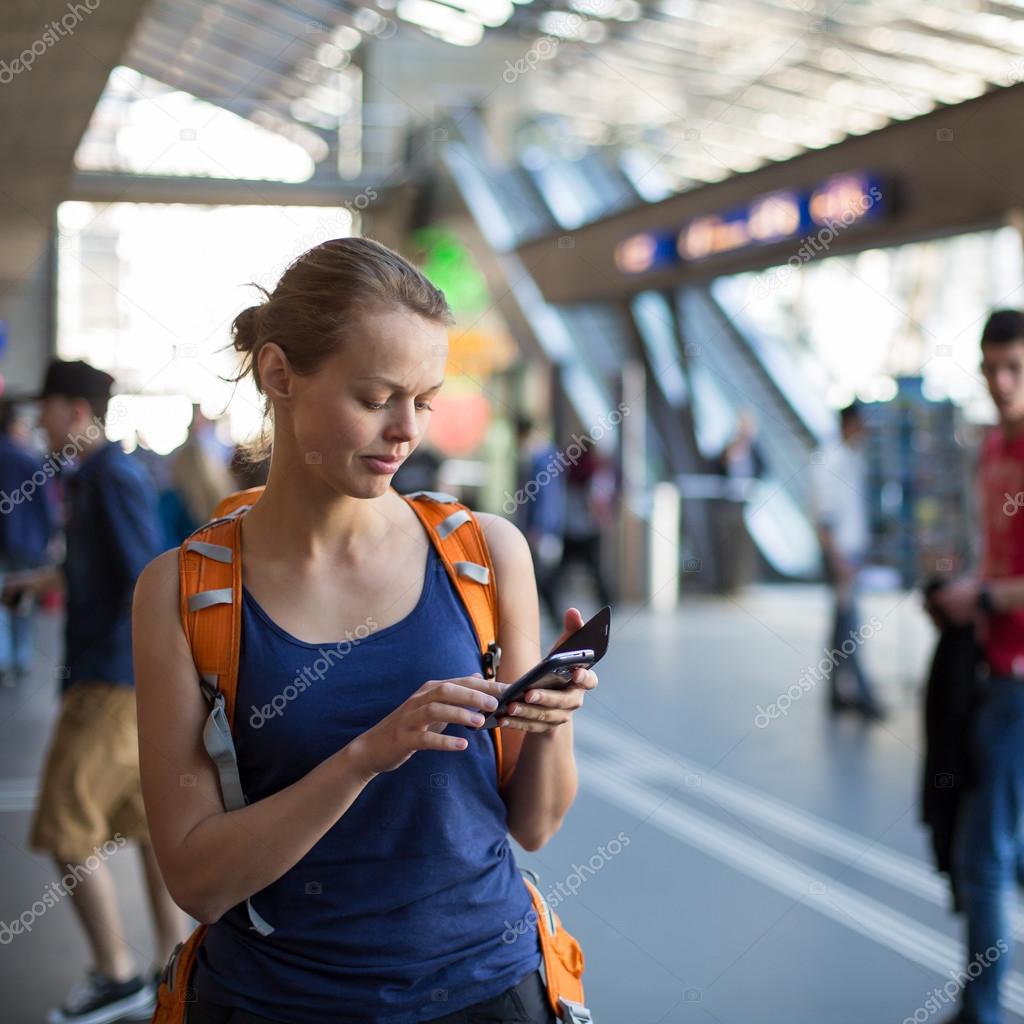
[(417, 724), (543, 710)]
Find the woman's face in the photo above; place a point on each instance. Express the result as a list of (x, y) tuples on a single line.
[(368, 405)]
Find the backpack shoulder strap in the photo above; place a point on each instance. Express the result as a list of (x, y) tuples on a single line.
[(459, 541), (240, 501), (210, 578), (210, 596)]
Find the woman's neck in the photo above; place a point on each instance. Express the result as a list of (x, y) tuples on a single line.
[(299, 518)]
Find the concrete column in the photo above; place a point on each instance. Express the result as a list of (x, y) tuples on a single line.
[(633, 519), (27, 307)]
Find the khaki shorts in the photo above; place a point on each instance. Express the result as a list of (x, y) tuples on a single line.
[(91, 791)]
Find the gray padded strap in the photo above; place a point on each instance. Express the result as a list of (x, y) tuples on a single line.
[(255, 921), (438, 496), (206, 598), (452, 522), (218, 552), (474, 570), (221, 748)]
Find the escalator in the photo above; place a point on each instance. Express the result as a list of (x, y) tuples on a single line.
[(731, 372), (701, 368)]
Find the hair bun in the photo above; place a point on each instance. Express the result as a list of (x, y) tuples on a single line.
[(245, 328)]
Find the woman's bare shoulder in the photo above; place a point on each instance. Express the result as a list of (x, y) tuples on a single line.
[(157, 582), (505, 540)]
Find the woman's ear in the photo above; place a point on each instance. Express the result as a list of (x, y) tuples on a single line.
[(274, 371)]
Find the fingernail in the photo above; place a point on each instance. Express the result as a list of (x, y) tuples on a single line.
[(478, 719), (490, 702), (532, 697)]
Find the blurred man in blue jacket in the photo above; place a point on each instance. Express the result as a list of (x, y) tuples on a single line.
[(90, 803)]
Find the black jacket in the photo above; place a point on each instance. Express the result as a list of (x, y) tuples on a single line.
[(951, 698)]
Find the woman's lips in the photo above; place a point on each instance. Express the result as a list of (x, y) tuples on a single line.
[(382, 465)]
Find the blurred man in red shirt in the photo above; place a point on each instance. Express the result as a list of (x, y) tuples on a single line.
[(991, 833)]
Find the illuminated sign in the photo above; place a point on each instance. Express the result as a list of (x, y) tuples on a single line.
[(832, 206), (646, 251)]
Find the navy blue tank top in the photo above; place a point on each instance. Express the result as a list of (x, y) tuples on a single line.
[(411, 907)]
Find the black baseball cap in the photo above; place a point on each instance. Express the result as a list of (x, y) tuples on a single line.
[(77, 379)]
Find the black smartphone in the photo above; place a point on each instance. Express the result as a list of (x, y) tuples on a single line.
[(585, 648)]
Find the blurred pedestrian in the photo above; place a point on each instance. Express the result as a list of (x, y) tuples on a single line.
[(740, 459), (90, 801), (540, 510), (199, 478), (741, 465), (844, 530), (28, 520), (589, 514), (990, 830)]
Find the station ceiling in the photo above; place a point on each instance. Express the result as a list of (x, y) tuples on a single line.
[(684, 92), (690, 91)]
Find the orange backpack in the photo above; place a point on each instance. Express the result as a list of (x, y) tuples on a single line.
[(210, 588)]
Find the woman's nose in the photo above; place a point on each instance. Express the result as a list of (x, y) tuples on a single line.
[(402, 426)]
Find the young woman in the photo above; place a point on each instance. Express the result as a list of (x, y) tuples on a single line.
[(375, 844)]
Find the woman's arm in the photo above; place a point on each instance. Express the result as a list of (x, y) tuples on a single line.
[(544, 784), (212, 859)]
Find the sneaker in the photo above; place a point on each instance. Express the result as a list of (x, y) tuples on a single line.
[(146, 1012), (873, 712), (100, 999)]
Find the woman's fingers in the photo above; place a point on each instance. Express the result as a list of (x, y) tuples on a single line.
[(450, 714), (436, 741), (468, 691), (460, 701), (535, 724), (543, 709), (571, 697)]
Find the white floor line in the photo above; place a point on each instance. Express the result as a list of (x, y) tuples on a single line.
[(643, 760), (18, 794), (816, 891)]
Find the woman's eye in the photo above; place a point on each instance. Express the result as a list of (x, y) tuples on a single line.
[(425, 406)]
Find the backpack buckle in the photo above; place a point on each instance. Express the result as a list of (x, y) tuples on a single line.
[(573, 1013), (491, 658), (211, 691)]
